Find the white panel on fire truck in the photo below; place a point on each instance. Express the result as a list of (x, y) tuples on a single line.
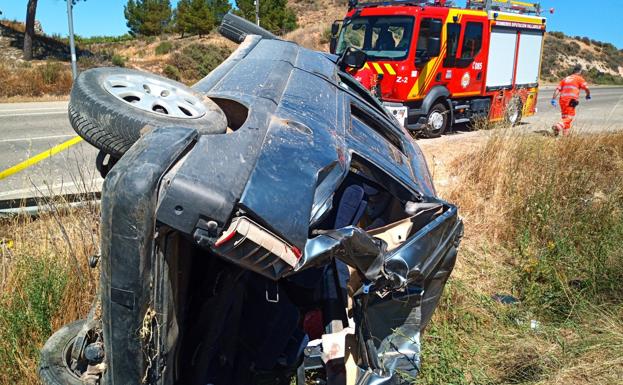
[(501, 58), (529, 57)]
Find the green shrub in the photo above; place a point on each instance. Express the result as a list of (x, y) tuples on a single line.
[(595, 76), (556, 34), (26, 312), (50, 72), (118, 60), (171, 72), (103, 39), (164, 48), (197, 60)]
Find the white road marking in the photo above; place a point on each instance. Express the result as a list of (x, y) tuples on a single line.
[(33, 114), (32, 109), (93, 185), (614, 108), (36, 138)]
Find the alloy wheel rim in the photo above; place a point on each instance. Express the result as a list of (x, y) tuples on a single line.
[(155, 96), (435, 120)]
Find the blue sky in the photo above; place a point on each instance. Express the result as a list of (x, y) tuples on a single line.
[(105, 17)]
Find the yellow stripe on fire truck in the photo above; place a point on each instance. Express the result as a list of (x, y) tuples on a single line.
[(378, 68), (390, 69)]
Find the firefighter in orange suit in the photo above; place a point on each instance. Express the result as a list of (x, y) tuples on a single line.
[(569, 92)]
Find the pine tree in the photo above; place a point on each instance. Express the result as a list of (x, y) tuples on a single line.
[(182, 17), (275, 15), (201, 17), (194, 17), (219, 9), (148, 17)]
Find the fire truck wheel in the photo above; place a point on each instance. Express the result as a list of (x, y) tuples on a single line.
[(436, 121), (55, 367), (112, 107), (513, 113)]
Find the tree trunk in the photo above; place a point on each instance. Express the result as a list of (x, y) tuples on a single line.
[(29, 35)]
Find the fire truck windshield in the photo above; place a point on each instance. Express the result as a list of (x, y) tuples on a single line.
[(381, 37)]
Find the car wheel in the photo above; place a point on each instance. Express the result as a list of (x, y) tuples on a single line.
[(56, 367), (111, 107), (436, 121), (513, 113)]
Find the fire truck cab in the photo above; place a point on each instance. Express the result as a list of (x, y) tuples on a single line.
[(434, 65)]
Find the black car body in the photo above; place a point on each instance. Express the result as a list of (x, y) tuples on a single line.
[(215, 248)]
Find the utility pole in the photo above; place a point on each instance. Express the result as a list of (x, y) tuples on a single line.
[(257, 12), (72, 44)]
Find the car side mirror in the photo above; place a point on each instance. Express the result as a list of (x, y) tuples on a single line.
[(352, 58), (335, 30)]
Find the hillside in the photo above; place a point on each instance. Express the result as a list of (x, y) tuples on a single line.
[(603, 62), (189, 59)]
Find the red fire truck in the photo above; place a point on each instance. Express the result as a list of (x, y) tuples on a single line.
[(434, 65)]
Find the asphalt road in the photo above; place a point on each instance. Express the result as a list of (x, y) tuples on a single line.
[(604, 112), (27, 129)]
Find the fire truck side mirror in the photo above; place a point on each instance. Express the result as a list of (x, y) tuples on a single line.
[(335, 27), (352, 58), (433, 47), (335, 30), (433, 43)]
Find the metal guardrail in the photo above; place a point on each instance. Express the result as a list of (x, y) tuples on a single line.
[(36, 205)]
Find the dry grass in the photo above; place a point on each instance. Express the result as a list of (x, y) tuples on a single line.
[(518, 166), (42, 79), (34, 99), (45, 282), (313, 37), (543, 223), (15, 25), (314, 18)]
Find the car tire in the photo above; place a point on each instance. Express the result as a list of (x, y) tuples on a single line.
[(112, 107), (54, 366), (513, 113), (436, 121)]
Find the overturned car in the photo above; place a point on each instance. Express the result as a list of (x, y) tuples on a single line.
[(271, 220)]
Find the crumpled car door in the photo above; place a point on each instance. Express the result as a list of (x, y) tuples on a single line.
[(401, 271)]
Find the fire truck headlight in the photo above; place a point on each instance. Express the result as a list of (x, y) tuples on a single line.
[(399, 112)]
